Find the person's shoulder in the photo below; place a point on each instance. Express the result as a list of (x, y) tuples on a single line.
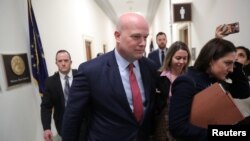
[(97, 62), (53, 77), (188, 76), (153, 52), (74, 70), (184, 78), (56, 74), (148, 62)]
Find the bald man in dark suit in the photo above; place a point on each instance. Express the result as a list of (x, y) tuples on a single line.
[(102, 85)]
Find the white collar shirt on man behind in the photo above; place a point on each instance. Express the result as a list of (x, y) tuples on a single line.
[(62, 78)]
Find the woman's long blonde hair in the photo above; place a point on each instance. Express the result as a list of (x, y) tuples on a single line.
[(170, 53)]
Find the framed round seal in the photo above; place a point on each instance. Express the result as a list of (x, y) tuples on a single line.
[(17, 65)]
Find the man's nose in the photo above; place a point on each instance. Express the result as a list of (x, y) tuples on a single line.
[(143, 41)]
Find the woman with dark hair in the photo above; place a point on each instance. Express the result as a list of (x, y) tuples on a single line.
[(215, 63), (175, 64), (242, 53)]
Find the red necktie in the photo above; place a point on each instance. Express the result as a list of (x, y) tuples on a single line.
[(136, 96)]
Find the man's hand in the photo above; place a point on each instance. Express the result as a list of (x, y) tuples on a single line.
[(47, 135)]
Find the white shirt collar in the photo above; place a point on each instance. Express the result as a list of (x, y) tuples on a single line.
[(122, 62), (70, 74)]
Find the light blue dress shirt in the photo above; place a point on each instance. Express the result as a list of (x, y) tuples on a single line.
[(124, 72)]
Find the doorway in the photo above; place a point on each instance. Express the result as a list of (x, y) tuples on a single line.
[(184, 35), (88, 46)]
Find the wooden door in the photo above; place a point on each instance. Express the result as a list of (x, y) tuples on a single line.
[(88, 49)]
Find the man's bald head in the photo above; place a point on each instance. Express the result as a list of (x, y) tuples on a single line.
[(131, 35), (129, 19)]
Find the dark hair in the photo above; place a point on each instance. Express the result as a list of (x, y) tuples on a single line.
[(214, 49), (61, 51), (246, 50), (178, 45), (160, 33)]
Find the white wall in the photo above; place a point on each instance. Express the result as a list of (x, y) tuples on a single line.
[(162, 23), (206, 16), (20, 117), (63, 24)]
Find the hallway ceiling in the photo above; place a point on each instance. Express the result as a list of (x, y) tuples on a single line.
[(114, 8)]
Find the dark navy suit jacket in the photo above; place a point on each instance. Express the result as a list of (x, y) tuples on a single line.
[(98, 87), (155, 57)]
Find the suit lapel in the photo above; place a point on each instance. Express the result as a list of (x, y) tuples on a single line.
[(145, 75), (115, 80), (157, 58), (59, 88)]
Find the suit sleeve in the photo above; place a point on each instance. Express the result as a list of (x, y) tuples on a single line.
[(76, 106), (46, 106), (183, 90), (161, 96)]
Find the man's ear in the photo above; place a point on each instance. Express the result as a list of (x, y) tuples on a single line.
[(117, 35)]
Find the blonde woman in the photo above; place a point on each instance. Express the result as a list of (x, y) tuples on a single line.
[(175, 64)]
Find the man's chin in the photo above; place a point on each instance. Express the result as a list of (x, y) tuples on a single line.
[(139, 56)]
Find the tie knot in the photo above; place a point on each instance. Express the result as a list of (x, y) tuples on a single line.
[(66, 77), (162, 52), (131, 66)]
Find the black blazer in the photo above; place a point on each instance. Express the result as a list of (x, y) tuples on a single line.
[(53, 97), (163, 87)]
